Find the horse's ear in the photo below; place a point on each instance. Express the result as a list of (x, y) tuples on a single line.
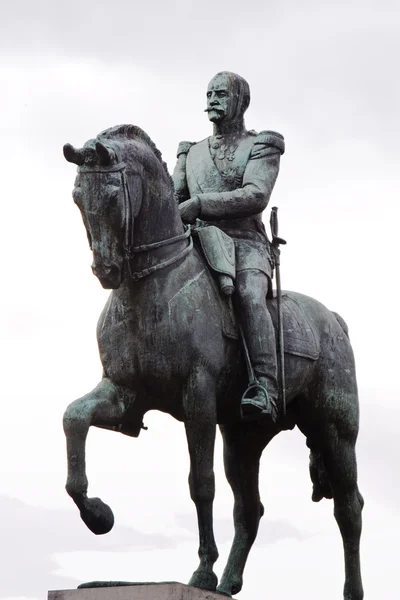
[(73, 155), (105, 154)]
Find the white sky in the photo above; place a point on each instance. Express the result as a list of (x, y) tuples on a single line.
[(326, 76)]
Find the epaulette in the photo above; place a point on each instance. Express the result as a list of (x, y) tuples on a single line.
[(184, 148), (271, 138)]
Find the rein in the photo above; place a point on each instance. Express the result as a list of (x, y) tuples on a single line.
[(129, 249), (166, 263)]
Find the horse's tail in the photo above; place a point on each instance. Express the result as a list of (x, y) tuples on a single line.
[(342, 323), (321, 484)]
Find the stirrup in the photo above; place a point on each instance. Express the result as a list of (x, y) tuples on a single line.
[(255, 385), (270, 405)]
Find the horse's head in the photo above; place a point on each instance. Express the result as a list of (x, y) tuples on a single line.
[(114, 172)]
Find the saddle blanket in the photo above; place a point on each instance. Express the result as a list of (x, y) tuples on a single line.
[(298, 335)]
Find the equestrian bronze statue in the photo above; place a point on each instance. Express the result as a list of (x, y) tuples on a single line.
[(169, 336)]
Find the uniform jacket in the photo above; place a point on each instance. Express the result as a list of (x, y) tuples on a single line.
[(233, 183)]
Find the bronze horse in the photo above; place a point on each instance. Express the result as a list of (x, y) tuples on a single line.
[(167, 342)]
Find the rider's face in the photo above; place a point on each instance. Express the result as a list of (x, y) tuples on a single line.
[(219, 99)]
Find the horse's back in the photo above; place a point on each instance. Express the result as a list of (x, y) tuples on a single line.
[(308, 325)]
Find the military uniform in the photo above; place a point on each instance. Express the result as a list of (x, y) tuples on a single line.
[(233, 182)]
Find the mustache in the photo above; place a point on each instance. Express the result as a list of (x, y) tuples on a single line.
[(211, 108)]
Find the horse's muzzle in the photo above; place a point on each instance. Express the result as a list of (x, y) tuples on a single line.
[(109, 276)]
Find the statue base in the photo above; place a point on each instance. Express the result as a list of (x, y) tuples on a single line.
[(118, 590)]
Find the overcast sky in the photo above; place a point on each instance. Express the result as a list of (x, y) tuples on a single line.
[(325, 75)]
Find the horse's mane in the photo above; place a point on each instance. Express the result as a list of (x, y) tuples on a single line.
[(133, 132)]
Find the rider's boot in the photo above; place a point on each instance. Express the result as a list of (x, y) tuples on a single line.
[(262, 400)]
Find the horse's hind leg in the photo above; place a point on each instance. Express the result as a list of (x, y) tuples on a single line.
[(243, 445), (101, 406), (340, 462)]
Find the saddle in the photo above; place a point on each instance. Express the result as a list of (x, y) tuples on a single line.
[(299, 336)]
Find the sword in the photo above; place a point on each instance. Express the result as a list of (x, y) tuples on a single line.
[(276, 242)]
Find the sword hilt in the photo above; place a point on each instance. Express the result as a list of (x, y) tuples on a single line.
[(273, 221)]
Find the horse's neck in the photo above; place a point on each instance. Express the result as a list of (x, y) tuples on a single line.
[(159, 216), (158, 219)]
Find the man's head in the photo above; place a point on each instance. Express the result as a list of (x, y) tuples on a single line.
[(228, 97)]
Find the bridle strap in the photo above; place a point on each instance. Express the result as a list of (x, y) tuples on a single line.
[(100, 169), (167, 242), (162, 265), (128, 225)]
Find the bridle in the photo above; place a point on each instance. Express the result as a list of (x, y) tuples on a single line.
[(161, 265), (129, 249)]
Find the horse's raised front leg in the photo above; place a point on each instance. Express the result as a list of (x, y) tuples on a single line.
[(101, 406), (243, 445), (200, 424)]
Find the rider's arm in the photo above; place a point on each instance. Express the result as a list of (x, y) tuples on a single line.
[(258, 182), (179, 174)]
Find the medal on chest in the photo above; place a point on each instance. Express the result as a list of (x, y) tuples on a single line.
[(224, 154), (222, 151)]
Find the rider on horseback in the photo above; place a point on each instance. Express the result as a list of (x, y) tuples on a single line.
[(227, 180)]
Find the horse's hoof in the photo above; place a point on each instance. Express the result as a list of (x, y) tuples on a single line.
[(205, 580), (97, 516), (236, 588), (223, 591), (230, 589)]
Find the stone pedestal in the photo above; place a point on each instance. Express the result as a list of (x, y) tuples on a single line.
[(140, 591)]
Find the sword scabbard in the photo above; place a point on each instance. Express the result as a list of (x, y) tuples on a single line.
[(276, 242)]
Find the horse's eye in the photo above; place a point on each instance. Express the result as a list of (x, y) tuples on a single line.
[(112, 194)]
